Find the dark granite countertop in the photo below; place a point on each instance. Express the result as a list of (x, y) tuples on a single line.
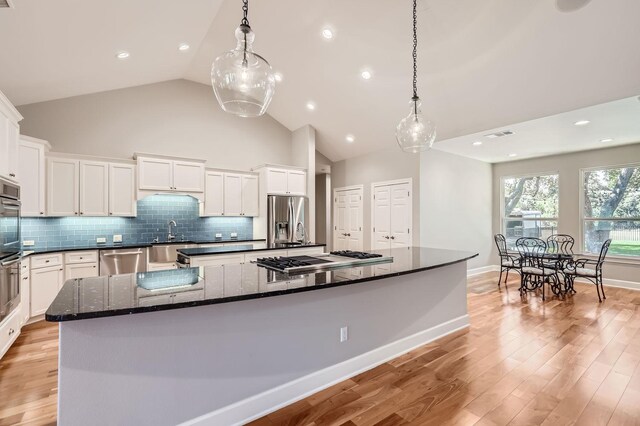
[(136, 244), (206, 251), (184, 288)]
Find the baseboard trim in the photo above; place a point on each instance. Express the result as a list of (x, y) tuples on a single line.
[(482, 270), (271, 400), (629, 285)]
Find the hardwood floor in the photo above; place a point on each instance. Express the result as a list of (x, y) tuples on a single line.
[(560, 362)]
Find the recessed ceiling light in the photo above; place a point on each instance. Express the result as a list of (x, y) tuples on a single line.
[(350, 138), (122, 55), (311, 106), (477, 143), (183, 46), (366, 74), (606, 140), (278, 77), (582, 122), (327, 33), (513, 155)]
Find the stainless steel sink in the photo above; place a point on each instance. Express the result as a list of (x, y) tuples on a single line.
[(166, 253)]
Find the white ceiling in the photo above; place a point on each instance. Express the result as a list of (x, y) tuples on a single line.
[(483, 64), (617, 120)]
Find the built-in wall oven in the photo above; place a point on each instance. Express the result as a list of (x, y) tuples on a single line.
[(9, 247)]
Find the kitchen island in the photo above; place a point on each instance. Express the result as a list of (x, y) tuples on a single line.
[(225, 344)]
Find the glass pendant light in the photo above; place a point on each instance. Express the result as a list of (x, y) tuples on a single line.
[(243, 81), (414, 132)]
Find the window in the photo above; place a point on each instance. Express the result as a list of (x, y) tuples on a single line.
[(611, 209), (530, 207)]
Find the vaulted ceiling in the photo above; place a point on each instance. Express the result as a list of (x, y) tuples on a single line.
[(483, 64)]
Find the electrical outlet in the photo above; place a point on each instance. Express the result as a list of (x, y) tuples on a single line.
[(28, 243), (117, 238), (234, 235), (344, 334), (101, 240), (218, 235)]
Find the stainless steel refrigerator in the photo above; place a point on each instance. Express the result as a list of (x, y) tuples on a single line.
[(287, 219)]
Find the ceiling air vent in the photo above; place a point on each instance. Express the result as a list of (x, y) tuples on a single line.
[(499, 134), (6, 4)]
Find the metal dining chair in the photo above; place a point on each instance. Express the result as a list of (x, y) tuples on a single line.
[(560, 244), (508, 261), (534, 272), (589, 269)]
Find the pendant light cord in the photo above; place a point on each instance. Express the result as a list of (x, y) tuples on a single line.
[(415, 50), (245, 11)]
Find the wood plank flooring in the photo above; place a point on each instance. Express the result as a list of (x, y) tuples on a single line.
[(522, 362)]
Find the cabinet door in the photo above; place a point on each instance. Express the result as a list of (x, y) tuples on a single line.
[(31, 168), (296, 182), (25, 296), (63, 187), (232, 194), (81, 270), (214, 194), (45, 284), (122, 190), (4, 145), (188, 177), (250, 202), (13, 136), (155, 174), (94, 188), (277, 181)]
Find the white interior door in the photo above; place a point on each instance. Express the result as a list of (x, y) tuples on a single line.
[(347, 234), (381, 218), (400, 228)]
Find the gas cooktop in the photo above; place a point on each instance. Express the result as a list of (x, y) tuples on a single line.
[(320, 262)]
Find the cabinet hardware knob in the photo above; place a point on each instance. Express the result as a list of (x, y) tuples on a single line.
[(12, 174), (75, 212), (24, 278), (393, 238), (41, 212), (110, 213), (47, 261), (60, 269)]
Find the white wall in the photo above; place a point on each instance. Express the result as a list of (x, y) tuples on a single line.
[(177, 117), (455, 204), (568, 167)]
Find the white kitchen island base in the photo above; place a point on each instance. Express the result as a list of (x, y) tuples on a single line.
[(229, 363)]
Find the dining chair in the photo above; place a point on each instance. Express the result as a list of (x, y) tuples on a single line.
[(534, 271), (508, 261), (589, 269), (560, 244)]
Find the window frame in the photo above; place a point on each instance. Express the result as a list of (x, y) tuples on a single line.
[(503, 219), (582, 219)]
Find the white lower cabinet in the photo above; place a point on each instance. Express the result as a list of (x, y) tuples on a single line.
[(218, 260), (45, 284), (25, 290), (9, 331)]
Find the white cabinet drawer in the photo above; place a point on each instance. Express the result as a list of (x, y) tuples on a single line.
[(81, 257), (217, 260), (46, 260), (9, 330), (305, 251), (81, 270)]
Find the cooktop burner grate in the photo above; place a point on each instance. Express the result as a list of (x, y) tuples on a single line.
[(356, 254)]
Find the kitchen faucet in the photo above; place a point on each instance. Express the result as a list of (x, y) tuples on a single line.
[(171, 237)]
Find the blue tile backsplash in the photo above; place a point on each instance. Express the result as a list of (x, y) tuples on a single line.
[(154, 213)]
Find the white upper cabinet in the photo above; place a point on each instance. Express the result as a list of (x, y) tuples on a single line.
[(232, 194), (122, 190), (9, 135), (166, 174), (188, 177), (214, 193), (250, 194), (90, 188), (31, 169), (285, 181), (94, 188), (63, 187), (155, 174)]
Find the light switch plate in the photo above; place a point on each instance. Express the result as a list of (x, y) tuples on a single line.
[(117, 238), (101, 240), (234, 235), (28, 243)]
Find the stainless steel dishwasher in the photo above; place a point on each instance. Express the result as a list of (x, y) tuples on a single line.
[(123, 261)]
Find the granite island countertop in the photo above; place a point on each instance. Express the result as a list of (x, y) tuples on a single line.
[(108, 296)]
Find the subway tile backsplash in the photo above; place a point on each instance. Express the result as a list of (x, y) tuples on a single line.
[(154, 214)]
